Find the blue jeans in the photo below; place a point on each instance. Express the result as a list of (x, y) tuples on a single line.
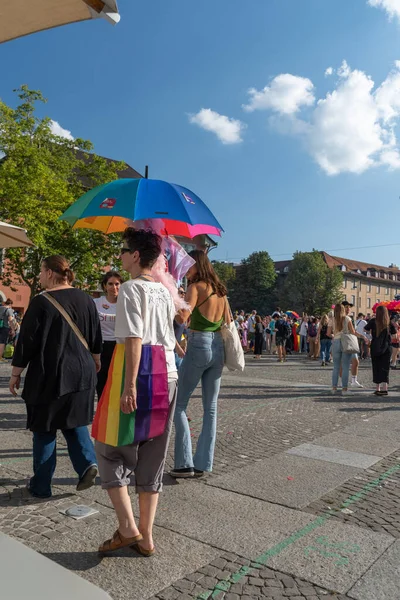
[(325, 349), (303, 344), (80, 450), (203, 361), (340, 359)]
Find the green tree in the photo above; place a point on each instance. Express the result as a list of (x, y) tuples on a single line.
[(41, 174), (311, 286), (226, 272), (255, 278)]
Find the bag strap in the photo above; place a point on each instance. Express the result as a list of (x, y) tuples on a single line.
[(227, 316), (66, 316)]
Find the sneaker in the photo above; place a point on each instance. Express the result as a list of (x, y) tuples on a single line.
[(323, 364), (356, 384), (198, 473), (182, 473), (334, 391), (88, 479), (346, 393)]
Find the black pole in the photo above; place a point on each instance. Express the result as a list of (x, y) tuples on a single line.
[(146, 172)]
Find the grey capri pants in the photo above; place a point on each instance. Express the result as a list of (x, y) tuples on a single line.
[(145, 459)]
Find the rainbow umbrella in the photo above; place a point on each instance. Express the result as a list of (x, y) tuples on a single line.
[(171, 208), (292, 313)]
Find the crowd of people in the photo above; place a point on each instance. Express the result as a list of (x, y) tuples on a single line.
[(319, 338), (171, 341), (69, 345)]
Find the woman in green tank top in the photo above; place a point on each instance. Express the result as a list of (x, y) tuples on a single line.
[(204, 361)]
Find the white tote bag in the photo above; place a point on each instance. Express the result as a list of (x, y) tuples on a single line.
[(234, 355)]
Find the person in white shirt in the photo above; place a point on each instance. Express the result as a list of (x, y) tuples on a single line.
[(304, 334), (145, 316), (107, 307), (362, 336)]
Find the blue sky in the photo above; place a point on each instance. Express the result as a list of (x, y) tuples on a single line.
[(286, 174)]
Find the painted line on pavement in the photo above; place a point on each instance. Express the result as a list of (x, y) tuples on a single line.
[(225, 585)]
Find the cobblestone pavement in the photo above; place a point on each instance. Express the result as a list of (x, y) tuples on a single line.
[(379, 511), (260, 583), (262, 412)]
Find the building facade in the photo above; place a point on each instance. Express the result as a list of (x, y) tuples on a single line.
[(364, 284)]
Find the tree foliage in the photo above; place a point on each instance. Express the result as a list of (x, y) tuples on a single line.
[(255, 278), (311, 286), (226, 272), (41, 174)]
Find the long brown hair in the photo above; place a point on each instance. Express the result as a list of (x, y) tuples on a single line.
[(60, 266), (339, 316), (324, 321), (206, 273), (382, 319)]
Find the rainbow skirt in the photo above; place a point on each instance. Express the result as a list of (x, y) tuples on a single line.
[(112, 426)]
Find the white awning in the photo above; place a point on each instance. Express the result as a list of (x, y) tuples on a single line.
[(12, 236), (22, 17)]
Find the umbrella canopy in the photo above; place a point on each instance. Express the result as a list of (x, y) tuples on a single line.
[(169, 208), (13, 237), (22, 17), (292, 313)]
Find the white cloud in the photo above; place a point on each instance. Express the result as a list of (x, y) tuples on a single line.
[(228, 131), (56, 129), (352, 128), (329, 71), (392, 7), (286, 94)]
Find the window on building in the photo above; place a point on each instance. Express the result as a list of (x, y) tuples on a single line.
[(378, 289), (368, 302), (286, 270), (359, 302), (368, 287), (368, 273), (353, 300), (344, 283), (344, 297), (342, 268), (387, 292), (378, 300), (354, 285)]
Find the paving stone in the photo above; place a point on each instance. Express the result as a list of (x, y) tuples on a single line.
[(256, 581)]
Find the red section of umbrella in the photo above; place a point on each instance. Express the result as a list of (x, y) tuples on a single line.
[(391, 305)]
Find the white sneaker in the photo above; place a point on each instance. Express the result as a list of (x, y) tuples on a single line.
[(356, 384), (346, 393)]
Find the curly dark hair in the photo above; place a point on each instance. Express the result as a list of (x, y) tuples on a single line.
[(145, 241), (109, 275), (206, 273)]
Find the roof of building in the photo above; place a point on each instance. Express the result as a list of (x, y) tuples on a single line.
[(281, 264), (355, 265), (126, 173)]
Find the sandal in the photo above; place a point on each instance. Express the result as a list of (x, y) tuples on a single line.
[(140, 550), (118, 541)]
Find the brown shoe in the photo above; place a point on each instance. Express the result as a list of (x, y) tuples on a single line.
[(117, 542), (140, 550)]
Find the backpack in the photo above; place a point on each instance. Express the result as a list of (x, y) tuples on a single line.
[(285, 331), (312, 330)]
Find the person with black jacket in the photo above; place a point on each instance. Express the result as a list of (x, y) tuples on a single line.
[(380, 349)]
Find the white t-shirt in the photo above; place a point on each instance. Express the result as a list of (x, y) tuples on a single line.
[(145, 310), (338, 335), (360, 324), (107, 311), (303, 328), (251, 324)]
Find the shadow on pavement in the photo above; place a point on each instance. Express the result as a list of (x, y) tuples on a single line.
[(84, 561)]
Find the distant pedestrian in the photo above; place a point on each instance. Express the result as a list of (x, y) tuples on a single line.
[(259, 337), (283, 332), (325, 340), (6, 325), (341, 360), (394, 336), (304, 334), (313, 338), (380, 349)]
